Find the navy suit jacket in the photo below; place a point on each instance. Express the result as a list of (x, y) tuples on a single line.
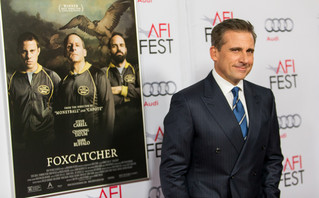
[(204, 153)]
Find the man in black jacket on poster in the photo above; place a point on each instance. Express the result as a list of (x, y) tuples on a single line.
[(85, 110), (125, 82), (32, 90)]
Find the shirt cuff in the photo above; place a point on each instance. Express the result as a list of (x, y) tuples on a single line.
[(124, 91)]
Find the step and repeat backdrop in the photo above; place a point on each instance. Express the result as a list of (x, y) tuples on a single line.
[(173, 46)]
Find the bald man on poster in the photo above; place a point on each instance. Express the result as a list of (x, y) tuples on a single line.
[(221, 135)]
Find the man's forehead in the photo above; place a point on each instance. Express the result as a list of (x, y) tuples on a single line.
[(117, 39), (238, 37), (29, 43), (74, 39)]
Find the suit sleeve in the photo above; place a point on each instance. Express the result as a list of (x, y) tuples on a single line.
[(176, 148), (272, 167)]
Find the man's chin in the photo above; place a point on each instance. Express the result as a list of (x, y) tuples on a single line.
[(29, 65), (74, 59), (119, 59)]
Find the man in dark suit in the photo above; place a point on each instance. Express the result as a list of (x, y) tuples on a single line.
[(208, 151)]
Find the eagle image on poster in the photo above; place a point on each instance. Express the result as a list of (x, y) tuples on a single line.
[(74, 94)]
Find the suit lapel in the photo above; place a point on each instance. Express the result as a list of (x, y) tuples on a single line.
[(219, 109), (253, 107), (254, 111)]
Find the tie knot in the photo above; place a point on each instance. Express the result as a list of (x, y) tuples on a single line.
[(235, 91)]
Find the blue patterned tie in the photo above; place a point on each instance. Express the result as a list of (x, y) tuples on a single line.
[(239, 112)]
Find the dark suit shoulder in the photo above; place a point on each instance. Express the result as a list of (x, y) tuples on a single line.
[(194, 88), (257, 89), (255, 86)]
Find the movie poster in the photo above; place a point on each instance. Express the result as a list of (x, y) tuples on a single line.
[(74, 93)]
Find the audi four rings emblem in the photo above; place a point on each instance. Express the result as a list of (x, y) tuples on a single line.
[(155, 192), (279, 25), (289, 121), (159, 88)]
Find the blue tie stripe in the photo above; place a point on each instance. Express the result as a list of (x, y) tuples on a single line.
[(239, 112)]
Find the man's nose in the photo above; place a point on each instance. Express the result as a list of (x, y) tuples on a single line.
[(243, 57), (72, 48), (28, 55)]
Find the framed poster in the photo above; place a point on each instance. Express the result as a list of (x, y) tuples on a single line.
[(74, 90)]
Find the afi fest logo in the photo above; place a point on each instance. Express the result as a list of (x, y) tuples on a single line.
[(278, 25), (293, 170), (155, 147), (286, 77), (111, 192), (159, 40), (217, 18)]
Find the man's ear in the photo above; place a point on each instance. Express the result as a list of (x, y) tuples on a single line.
[(213, 53)]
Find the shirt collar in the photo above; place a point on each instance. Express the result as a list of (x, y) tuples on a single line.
[(224, 85), (39, 68), (86, 67), (127, 64)]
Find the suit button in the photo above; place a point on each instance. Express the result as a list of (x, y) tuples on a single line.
[(263, 147), (232, 177), (217, 150), (254, 173)]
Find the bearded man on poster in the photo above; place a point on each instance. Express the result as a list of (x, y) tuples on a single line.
[(125, 82)]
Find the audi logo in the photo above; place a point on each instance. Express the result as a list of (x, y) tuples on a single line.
[(279, 25), (159, 88), (154, 192), (289, 121)]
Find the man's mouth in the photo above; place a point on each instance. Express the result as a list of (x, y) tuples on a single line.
[(241, 67)]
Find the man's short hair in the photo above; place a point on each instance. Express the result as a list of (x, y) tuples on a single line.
[(115, 34), (65, 42), (230, 24), (26, 36)]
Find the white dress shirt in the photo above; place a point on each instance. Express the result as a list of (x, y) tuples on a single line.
[(226, 88)]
